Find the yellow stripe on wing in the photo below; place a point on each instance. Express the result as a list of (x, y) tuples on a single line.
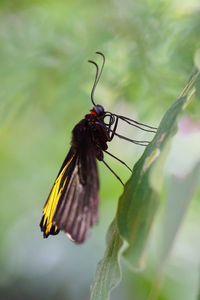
[(50, 206)]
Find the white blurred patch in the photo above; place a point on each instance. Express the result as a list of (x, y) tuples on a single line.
[(185, 149)]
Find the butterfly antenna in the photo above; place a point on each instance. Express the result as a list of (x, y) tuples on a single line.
[(98, 74), (103, 63), (95, 81)]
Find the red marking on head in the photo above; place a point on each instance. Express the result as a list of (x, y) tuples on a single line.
[(92, 112)]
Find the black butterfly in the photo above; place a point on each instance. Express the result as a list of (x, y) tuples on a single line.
[(72, 205)]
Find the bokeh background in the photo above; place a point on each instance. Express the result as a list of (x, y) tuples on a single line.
[(45, 80)]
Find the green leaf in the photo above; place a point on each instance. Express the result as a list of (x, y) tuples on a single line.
[(180, 194), (139, 203), (197, 59), (108, 272), (140, 200)]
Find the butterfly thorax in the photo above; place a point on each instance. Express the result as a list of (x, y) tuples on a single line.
[(92, 129)]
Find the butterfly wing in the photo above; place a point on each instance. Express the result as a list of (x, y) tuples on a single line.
[(72, 205), (46, 224)]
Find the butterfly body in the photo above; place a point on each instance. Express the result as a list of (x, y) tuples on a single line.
[(91, 127), (72, 205)]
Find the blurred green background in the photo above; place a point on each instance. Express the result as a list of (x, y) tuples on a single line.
[(45, 89)]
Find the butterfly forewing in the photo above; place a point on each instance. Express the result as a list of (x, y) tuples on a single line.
[(46, 224), (72, 205)]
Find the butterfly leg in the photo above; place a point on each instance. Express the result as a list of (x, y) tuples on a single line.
[(113, 172), (121, 161), (114, 129)]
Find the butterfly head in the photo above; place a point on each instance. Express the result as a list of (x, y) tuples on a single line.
[(97, 110)]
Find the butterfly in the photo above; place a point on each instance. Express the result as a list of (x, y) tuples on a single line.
[(72, 205)]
